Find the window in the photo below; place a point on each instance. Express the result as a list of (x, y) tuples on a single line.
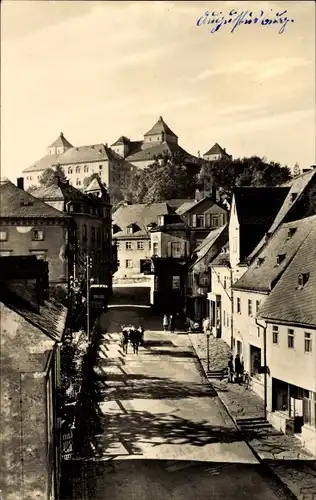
[(129, 263), (176, 249), (69, 170), (78, 170), (215, 221), (40, 254), (5, 253), (37, 235), (302, 280), (290, 338), (93, 233), (161, 220), (238, 305), (309, 409), (117, 243), (307, 342), (3, 236), (100, 167), (78, 182), (149, 244), (175, 282), (275, 334), (204, 280), (140, 245), (155, 248), (257, 306), (225, 281), (200, 221), (280, 258), (118, 263), (249, 307), (130, 230), (128, 245)]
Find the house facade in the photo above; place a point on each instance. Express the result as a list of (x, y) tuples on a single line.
[(91, 215), (79, 163), (29, 226), (131, 235), (32, 330)]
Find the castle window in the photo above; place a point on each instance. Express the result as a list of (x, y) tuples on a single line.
[(69, 170), (78, 170), (85, 169), (78, 182)]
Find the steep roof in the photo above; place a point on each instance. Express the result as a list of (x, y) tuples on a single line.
[(141, 215), (121, 141), (296, 187), (61, 141), (207, 250), (287, 301), (151, 153), (159, 127), (93, 186), (264, 271), (259, 205), (186, 206), (15, 202), (216, 150)]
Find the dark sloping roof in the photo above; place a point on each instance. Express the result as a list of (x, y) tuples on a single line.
[(296, 187), (264, 271), (141, 214), (61, 141), (46, 162), (216, 150), (186, 206), (15, 202), (210, 247), (159, 127), (259, 205), (287, 302), (177, 203), (121, 141), (151, 153)]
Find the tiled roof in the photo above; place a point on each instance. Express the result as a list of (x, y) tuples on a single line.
[(177, 203), (296, 186), (151, 152), (15, 202), (287, 301), (207, 249), (81, 154), (216, 150), (61, 141), (264, 271), (186, 206), (121, 141), (93, 186), (159, 127), (259, 205), (141, 214), (222, 259), (50, 318)]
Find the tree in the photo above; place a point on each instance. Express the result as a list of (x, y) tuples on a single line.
[(49, 175), (90, 178)]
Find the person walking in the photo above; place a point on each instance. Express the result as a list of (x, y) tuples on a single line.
[(172, 323), (165, 322), (230, 367), (238, 366)]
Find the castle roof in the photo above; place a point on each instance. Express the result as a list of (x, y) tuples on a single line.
[(61, 141), (159, 127)]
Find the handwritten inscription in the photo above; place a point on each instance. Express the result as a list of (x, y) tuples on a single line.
[(236, 18)]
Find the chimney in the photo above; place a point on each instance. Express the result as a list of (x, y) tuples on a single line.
[(20, 183), (197, 195)]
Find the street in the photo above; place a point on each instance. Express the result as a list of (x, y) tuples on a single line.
[(166, 434)]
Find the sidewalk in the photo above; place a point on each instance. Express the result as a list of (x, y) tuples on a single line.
[(284, 454)]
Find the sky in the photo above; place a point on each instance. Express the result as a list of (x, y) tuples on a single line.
[(99, 70)]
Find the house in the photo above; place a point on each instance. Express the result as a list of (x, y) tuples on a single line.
[(32, 328), (201, 215), (252, 212), (157, 141), (80, 162), (288, 316), (131, 234), (28, 226), (217, 153), (198, 282), (171, 250), (91, 215)]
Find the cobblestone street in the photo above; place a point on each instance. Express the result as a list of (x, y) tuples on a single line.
[(283, 453)]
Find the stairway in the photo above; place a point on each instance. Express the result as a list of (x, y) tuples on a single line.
[(257, 425), (216, 374)]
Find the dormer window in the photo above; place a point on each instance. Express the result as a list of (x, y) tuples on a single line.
[(293, 197), (260, 261), (280, 258), (291, 232), (130, 229), (302, 280), (161, 220), (151, 225)]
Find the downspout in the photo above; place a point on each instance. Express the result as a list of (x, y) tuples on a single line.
[(232, 311), (265, 365)]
